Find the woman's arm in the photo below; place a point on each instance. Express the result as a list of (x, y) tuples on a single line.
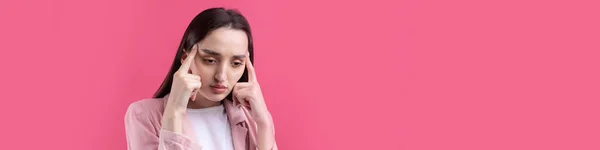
[(266, 135), (141, 133), (266, 138), (172, 121), (138, 130), (250, 96)]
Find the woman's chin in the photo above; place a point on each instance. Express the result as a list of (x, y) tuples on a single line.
[(216, 97), (210, 96)]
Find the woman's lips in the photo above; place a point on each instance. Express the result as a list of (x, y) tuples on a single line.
[(218, 89)]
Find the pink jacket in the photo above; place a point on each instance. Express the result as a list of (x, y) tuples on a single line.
[(144, 132)]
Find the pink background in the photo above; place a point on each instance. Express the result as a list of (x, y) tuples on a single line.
[(365, 74)]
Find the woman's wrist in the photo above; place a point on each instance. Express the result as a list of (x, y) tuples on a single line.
[(173, 112), (172, 120), (265, 122)]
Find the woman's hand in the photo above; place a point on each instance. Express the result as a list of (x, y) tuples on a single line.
[(250, 96), (183, 88)]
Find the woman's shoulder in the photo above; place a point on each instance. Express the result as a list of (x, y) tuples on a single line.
[(146, 108)]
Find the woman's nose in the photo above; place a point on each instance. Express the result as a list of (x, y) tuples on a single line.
[(221, 74)]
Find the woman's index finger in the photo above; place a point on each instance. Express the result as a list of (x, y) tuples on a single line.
[(250, 67), (188, 61)]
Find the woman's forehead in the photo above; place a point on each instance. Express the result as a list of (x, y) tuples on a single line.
[(225, 41)]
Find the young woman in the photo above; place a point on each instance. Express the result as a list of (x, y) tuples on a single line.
[(210, 99)]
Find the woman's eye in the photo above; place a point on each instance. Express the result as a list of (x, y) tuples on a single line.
[(210, 61), (237, 64)]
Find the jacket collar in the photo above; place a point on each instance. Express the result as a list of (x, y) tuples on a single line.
[(238, 123)]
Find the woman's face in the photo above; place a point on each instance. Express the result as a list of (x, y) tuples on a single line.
[(220, 62)]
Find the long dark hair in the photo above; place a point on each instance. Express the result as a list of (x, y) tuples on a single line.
[(205, 22)]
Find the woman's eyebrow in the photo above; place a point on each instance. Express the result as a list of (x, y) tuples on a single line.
[(239, 56), (211, 52)]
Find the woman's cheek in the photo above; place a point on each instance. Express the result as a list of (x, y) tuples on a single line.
[(237, 74)]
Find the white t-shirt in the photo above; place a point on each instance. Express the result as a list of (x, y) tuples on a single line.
[(211, 127)]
